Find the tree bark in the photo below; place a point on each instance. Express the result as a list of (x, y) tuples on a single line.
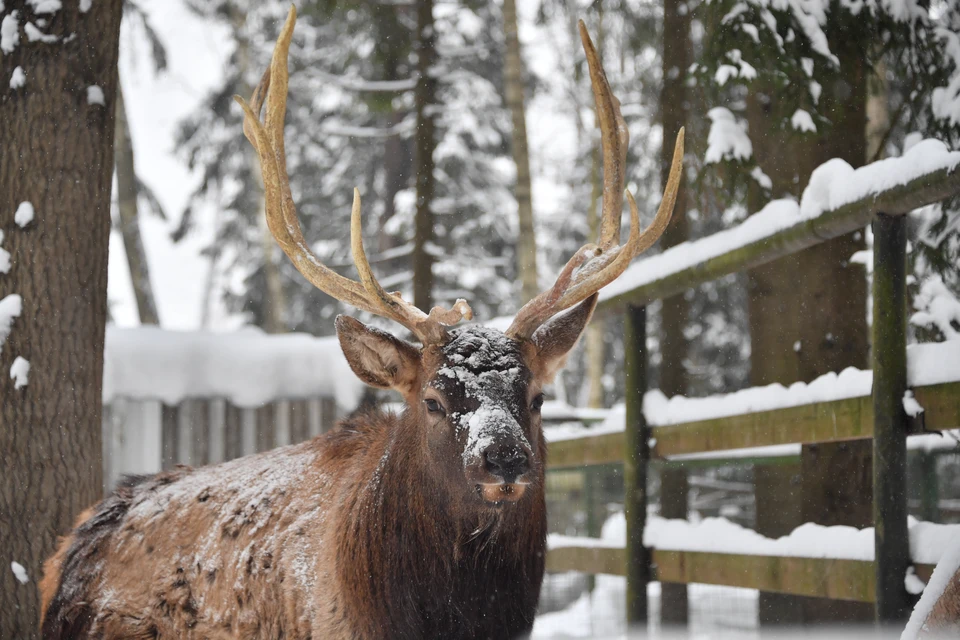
[(674, 315), (127, 196), (274, 301), (426, 142), (807, 311), (513, 88), (57, 153)]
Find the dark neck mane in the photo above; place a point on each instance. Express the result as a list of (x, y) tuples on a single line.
[(425, 565)]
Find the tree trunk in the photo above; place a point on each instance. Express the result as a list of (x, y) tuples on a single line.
[(426, 142), (513, 87), (57, 153), (674, 105), (274, 300), (127, 192), (807, 311)]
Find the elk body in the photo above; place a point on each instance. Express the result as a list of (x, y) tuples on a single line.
[(427, 524)]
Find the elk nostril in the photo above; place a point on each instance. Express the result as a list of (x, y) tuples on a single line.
[(507, 462)]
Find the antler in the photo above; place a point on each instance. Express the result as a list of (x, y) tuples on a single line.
[(597, 265), (267, 140)]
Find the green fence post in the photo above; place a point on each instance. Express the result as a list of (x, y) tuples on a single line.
[(635, 464), (891, 538)]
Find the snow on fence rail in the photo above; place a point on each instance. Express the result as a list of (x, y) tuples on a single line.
[(837, 201), (833, 407), (195, 398), (813, 560)]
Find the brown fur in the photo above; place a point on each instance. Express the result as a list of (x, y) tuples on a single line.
[(378, 529), (51, 568), (944, 618)]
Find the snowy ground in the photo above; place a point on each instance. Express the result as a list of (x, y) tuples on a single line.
[(718, 613)]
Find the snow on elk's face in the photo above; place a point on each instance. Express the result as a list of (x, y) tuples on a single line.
[(482, 413)]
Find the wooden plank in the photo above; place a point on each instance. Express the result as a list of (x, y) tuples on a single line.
[(266, 428), (817, 577), (170, 435), (850, 419), (315, 411), (281, 423), (834, 421), (217, 419), (328, 414), (299, 420), (591, 560), (636, 463), (248, 431), (589, 450), (889, 354), (233, 432), (927, 189), (941, 405)]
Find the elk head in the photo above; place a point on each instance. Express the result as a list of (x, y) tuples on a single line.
[(474, 393)]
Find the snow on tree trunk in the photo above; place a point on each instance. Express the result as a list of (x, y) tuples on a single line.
[(58, 155)]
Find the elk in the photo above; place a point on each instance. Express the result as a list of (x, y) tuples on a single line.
[(427, 524)]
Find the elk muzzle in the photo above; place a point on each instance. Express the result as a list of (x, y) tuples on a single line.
[(497, 458)]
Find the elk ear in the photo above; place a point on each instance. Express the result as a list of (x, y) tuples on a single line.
[(378, 358), (555, 338)]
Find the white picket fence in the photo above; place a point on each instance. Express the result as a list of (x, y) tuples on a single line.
[(147, 436), (197, 398)]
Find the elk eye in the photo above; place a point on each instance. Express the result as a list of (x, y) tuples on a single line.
[(537, 403), (433, 406)]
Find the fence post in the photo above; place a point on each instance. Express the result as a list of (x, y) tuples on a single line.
[(891, 537), (635, 463)]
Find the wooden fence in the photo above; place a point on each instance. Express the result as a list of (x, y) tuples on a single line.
[(879, 416)]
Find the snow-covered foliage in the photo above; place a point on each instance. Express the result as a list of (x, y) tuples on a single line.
[(728, 137), (937, 308), (247, 367), (351, 108)]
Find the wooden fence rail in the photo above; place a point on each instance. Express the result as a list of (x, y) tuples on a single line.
[(834, 421), (838, 579)]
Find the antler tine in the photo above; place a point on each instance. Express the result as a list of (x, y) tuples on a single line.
[(281, 212), (595, 266), (428, 328), (614, 137)]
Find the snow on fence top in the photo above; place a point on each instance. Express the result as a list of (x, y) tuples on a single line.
[(833, 185), (928, 540), (927, 364), (248, 367)]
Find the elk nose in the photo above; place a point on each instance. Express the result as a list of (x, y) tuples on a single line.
[(506, 461)]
